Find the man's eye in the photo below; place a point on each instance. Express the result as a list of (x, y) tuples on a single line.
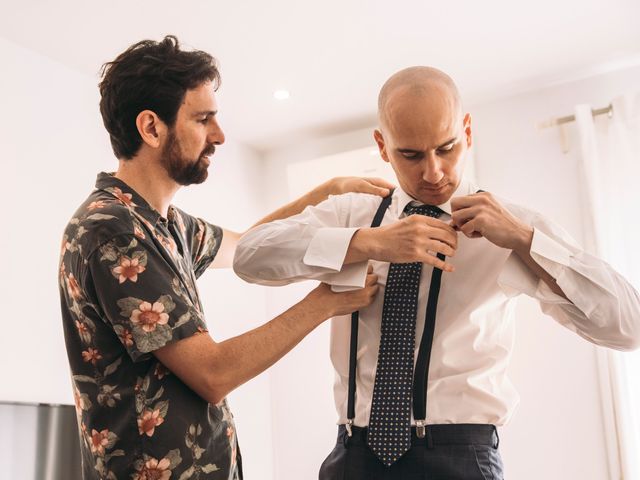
[(204, 120), (446, 148), (412, 155)]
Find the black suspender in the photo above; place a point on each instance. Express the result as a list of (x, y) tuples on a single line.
[(424, 354), (421, 371)]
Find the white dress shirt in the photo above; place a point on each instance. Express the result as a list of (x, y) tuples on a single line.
[(474, 330)]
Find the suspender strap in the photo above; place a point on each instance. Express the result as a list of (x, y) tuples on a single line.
[(353, 347), (421, 371)]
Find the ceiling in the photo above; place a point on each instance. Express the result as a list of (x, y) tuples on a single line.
[(333, 55)]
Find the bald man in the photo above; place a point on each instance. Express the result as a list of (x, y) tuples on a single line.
[(421, 382)]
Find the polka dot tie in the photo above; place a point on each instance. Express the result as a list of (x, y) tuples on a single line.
[(389, 435)]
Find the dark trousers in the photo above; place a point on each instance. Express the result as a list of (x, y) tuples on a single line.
[(447, 452)]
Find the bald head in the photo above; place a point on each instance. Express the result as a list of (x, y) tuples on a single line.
[(419, 83)]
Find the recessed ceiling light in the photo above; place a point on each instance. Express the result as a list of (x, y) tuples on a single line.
[(281, 94)]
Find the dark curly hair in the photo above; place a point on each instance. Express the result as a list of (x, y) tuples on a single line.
[(152, 76)]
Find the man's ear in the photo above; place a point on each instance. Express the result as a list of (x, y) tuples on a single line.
[(467, 129), (377, 136), (151, 129)]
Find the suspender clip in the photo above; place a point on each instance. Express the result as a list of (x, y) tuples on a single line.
[(421, 428), (348, 427)]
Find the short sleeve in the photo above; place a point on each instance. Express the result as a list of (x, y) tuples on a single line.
[(139, 293), (204, 241)]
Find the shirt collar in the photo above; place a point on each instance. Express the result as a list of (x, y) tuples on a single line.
[(465, 187), (108, 183)]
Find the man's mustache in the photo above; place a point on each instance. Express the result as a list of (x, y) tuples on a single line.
[(207, 152)]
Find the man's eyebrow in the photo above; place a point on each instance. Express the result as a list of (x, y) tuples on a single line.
[(414, 150), (205, 113), (449, 142)]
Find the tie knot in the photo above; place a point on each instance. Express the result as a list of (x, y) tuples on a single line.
[(428, 210)]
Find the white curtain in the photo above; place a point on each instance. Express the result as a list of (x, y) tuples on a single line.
[(610, 177)]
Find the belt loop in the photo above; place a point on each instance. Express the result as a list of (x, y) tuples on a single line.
[(429, 435), (345, 438), (495, 432)]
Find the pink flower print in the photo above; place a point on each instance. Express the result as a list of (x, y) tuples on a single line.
[(126, 337), (73, 287), (149, 421), (91, 355), (128, 269), (154, 470), (96, 205), (125, 198), (98, 441), (147, 316)]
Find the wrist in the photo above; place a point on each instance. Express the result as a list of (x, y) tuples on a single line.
[(524, 237), (362, 246), (325, 189), (315, 307)]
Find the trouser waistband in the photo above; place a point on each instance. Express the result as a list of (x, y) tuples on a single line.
[(439, 434)]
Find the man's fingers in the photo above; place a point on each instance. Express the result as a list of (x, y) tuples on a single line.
[(469, 229), (436, 225), (441, 247), (380, 182), (447, 236), (465, 201), (371, 280), (438, 230), (375, 186), (462, 216), (437, 263)]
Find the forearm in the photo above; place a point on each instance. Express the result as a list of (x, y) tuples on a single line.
[(241, 358), (523, 249)]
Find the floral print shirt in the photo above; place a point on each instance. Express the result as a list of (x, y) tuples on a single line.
[(127, 287)]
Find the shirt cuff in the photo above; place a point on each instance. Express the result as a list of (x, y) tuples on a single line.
[(549, 254), (352, 277), (328, 248), (516, 278)]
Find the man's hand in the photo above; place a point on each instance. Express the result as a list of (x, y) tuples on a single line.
[(481, 215), (416, 238), (374, 186), (344, 303)]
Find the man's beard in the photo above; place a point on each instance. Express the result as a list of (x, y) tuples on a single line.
[(184, 171)]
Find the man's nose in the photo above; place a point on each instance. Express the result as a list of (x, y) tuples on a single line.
[(432, 172), (216, 135)]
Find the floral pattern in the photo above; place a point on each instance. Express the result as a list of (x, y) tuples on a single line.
[(127, 284)]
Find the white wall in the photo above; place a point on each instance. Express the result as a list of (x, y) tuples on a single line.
[(53, 145), (557, 432)]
